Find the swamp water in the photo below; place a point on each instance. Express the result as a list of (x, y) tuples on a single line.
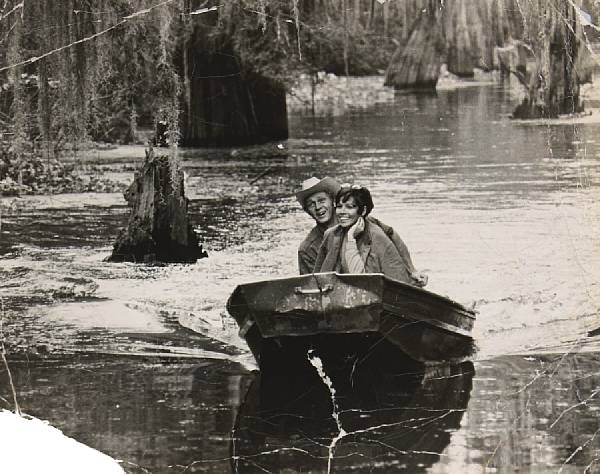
[(142, 363)]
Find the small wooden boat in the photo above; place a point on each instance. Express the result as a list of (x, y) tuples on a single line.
[(349, 319)]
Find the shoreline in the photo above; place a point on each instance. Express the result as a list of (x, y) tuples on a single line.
[(334, 96)]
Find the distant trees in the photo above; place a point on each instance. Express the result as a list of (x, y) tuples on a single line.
[(416, 63), (541, 42), (72, 71), (80, 70), (352, 37), (87, 69), (460, 33)]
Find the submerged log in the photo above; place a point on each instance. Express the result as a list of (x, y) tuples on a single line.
[(158, 229)]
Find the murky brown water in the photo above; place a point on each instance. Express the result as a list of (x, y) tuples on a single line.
[(499, 213)]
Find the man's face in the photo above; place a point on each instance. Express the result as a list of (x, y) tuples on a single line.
[(320, 207)]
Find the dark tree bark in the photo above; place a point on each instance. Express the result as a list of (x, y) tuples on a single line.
[(553, 88), (460, 27), (473, 31), (226, 106), (462, 33), (417, 63), (158, 229), (225, 102), (502, 23)]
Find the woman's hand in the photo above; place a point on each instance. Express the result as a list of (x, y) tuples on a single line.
[(358, 228)]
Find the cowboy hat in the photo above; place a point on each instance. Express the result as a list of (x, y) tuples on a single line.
[(314, 185)]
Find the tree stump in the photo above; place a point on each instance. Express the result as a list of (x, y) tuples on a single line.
[(158, 229)]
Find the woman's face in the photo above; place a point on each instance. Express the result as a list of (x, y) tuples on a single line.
[(347, 212)]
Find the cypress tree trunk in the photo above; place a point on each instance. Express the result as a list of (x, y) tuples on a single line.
[(417, 64), (459, 47), (158, 229), (553, 88), (386, 18), (44, 112), (226, 103), (225, 106), (20, 104), (473, 30), (568, 53), (44, 108)]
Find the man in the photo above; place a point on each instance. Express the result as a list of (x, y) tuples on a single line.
[(317, 198)]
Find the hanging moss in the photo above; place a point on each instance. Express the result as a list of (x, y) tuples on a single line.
[(555, 37)]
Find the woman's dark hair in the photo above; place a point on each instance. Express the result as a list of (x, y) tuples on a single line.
[(361, 195)]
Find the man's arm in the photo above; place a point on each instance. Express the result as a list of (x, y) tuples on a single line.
[(305, 262), (308, 249), (321, 255)]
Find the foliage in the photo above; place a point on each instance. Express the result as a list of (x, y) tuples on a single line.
[(99, 68), (76, 71), (30, 173), (329, 35), (105, 69)]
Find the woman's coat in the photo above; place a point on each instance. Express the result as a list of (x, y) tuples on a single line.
[(377, 252)]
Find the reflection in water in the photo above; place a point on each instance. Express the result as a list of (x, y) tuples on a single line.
[(155, 415), (398, 421), (540, 411), (168, 415), (502, 212)]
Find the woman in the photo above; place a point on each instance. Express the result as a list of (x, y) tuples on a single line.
[(355, 245)]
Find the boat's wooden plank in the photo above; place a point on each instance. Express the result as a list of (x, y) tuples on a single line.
[(300, 323), (420, 310), (392, 311), (425, 342)]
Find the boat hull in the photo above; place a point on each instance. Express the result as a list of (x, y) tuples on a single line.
[(350, 320)]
